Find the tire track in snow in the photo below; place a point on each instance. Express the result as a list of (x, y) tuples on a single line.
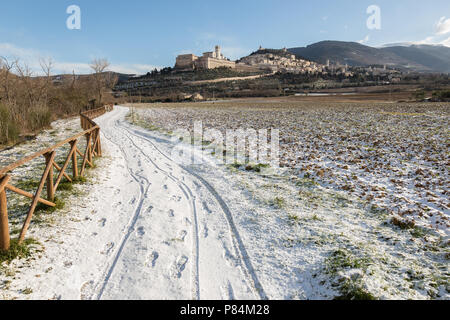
[(131, 228), (191, 199), (248, 270)]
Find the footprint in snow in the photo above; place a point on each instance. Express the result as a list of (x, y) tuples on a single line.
[(151, 260), (205, 206), (183, 235), (205, 231), (141, 231), (197, 185), (231, 259), (108, 248), (102, 222), (179, 266), (85, 289)]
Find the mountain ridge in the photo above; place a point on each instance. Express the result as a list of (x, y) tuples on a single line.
[(417, 58)]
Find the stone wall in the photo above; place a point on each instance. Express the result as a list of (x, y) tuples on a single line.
[(211, 63), (216, 63), (186, 61), (241, 67)]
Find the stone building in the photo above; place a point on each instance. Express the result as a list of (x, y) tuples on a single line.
[(279, 61), (209, 60)]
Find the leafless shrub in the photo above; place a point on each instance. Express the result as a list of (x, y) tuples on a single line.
[(29, 102)]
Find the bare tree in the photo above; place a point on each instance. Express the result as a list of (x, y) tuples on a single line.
[(46, 66), (29, 103), (26, 78), (6, 67), (101, 76)]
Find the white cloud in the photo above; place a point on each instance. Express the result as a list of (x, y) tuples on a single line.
[(445, 42), (133, 68), (433, 40), (428, 41), (69, 67), (29, 56), (365, 40), (443, 26), (32, 58)]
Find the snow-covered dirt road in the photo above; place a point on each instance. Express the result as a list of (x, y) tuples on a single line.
[(181, 241)]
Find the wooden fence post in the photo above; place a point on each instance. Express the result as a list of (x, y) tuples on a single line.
[(74, 160), (4, 224), (35, 201), (89, 146), (50, 187), (93, 148), (99, 145)]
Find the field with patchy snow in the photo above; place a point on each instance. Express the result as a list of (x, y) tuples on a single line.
[(27, 177), (360, 204), (357, 210)]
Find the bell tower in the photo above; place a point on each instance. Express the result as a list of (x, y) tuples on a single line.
[(218, 52)]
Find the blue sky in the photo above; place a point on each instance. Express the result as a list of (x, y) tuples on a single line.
[(137, 35)]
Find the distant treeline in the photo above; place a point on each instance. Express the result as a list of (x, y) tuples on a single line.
[(436, 96), (30, 103)]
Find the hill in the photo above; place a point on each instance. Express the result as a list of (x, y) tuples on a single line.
[(436, 58), (421, 58)]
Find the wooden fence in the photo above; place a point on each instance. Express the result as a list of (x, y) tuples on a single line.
[(93, 149)]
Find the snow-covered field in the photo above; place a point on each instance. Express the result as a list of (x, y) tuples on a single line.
[(361, 200), (144, 227)]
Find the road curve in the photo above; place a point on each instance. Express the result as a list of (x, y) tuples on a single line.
[(181, 241)]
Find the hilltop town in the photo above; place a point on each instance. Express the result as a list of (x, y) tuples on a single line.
[(265, 72), (261, 60), (281, 61)]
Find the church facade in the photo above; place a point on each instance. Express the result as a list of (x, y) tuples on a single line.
[(209, 60)]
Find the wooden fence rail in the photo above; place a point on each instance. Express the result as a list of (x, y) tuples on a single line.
[(93, 149)]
